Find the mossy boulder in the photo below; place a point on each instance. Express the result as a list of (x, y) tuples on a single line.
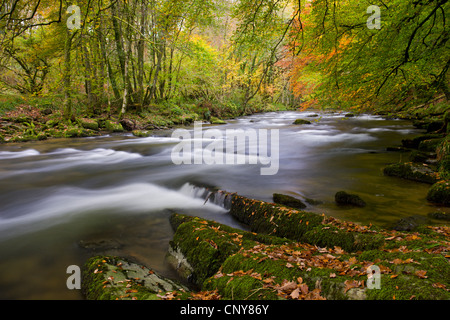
[(301, 121), (142, 133), (112, 126), (420, 157), (439, 193), (410, 223), (429, 125), (90, 124), (215, 120), (288, 201), (52, 123), (409, 171), (344, 198), (429, 145), (76, 132), (308, 227), (415, 142), (199, 247), (438, 215), (115, 278)]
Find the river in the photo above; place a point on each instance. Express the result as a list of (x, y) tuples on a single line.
[(58, 194)]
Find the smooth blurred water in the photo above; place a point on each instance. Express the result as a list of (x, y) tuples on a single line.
[(122, 189)]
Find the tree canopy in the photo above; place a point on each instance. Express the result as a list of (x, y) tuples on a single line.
[(134, 54)]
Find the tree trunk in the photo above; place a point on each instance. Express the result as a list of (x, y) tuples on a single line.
[(67, 104)]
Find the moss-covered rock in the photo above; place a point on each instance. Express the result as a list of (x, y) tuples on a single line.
[(421, 157), (419, 173), (215, 120), (288, 201), (307, 227), (344, 198), (438, 215), (199, 247), (112, 126), (439, 193), (410, 223), (114, 278), (301, 121), (415, 142), (429, 145), (142, 133), (90, 124), (76, 132)]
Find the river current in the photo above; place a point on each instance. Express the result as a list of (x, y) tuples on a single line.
[(59, 196)]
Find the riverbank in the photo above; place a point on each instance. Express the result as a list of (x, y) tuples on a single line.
[(287, 254), (26, 123)]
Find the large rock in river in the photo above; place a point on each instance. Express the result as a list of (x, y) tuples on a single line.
[(344, 198)]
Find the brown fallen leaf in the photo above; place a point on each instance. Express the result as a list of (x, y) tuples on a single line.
[(439, 285), (350, 284), (295, 294), (304, 288), (421, 274)]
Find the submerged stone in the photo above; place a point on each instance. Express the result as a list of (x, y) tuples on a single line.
[(410, 223), (288, 201), (438, 215), (344, 198), (409, 171)]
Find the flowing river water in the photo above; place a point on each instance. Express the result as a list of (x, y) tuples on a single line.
[(117, 192)]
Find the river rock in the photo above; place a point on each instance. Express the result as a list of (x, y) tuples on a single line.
[(429, 145), (438, 215), (410, 223), (128, 125), (114, 278), (415, 142), (100, 244), (215, 120), (344, 198), (439, 193), (288, 201), (113, 126), (410, 171), (88, 123), (301, 121)]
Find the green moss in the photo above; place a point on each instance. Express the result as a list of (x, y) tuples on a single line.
[(301, 121), (439, 193), (215, 120), (114, 278), (411, 172), (429, 145), (288, 201), (307, 227), (330, 236), (90, 124), (142, 133), (113, 126)]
